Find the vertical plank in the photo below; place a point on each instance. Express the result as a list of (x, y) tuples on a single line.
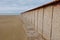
[(22, 20), (29, 18), (29, 25), (36, 27), (47, 22), (32, 19), (40, 23), (24, 17), (56, 23), (40, 16)]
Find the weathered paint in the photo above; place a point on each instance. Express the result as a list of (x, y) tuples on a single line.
[(45, 21), (40, 20), (56, 23)]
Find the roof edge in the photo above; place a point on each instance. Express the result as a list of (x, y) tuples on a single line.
[(50, 3)]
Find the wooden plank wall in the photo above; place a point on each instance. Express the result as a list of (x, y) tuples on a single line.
[(45, 21)]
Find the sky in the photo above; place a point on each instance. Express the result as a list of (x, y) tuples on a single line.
[(15, 7)]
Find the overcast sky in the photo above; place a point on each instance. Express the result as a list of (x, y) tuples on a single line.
[(8, 7)]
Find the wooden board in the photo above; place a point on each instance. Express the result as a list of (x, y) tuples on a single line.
[(40, 20), (36, 25), (47, 22), (56, 23)]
